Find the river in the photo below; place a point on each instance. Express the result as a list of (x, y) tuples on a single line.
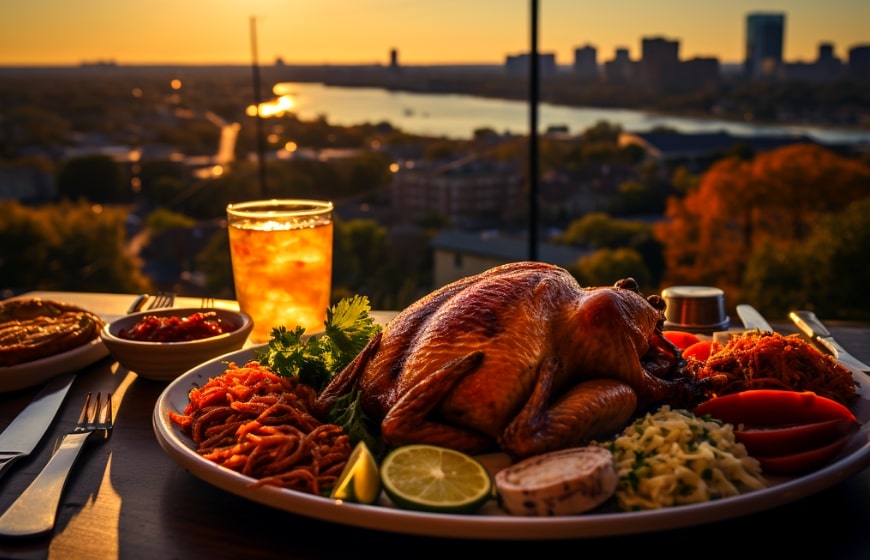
[(458, 116)]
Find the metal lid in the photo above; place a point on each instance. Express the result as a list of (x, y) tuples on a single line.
[(692, 292)]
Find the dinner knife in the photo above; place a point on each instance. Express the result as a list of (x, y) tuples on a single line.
[(752, 319), (812, 327), (27, 429)]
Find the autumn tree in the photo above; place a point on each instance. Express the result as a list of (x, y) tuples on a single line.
[(798, 184), (746, 209), (704, 235)]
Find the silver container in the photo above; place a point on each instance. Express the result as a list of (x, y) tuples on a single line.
[(695, 309)]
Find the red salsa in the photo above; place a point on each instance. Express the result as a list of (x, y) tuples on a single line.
[(177, 329)]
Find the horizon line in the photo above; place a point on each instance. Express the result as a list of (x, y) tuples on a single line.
[(110, 63)]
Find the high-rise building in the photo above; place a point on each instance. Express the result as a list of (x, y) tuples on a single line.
[(659, 62), (765, 34), (519, 64), (586, 62), (621, 69), (859, 61)]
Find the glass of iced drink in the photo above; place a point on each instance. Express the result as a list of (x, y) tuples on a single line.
[(282, 263)]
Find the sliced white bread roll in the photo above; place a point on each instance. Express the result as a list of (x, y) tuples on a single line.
[(563, 482)]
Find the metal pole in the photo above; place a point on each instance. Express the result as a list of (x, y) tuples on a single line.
[(255, 69), (533, 135)]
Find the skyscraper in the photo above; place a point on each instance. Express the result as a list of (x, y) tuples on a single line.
[(765, 33)]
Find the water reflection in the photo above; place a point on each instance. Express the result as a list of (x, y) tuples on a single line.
[(458, 116), (275, 107)]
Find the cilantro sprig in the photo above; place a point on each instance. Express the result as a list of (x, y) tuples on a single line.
[(316, 359)]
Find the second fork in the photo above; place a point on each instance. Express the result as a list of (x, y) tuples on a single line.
[(35, 510), (145, 302)]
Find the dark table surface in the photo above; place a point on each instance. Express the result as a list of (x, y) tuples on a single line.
[(126, 498)]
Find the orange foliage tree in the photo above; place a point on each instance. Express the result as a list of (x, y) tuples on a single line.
[(739, 207)]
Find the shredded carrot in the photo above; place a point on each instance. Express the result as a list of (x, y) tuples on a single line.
[(259, 424), (765, 360)]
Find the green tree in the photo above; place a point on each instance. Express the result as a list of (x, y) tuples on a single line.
[(683, 181), (30, 125), (360, 249), (73, 247), (369, 172), (215, 264), (597, 230), (635, 197), (165, 219), (827, 273), (95, 178), (164, 191), (22, 269), (837, 287), (603, 131), (768, 283), (600, 231), (606, 266)]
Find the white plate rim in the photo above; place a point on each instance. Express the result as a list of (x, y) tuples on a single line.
[(29, 374), (491, 523)]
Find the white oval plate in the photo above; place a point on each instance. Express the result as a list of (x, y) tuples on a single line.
[(28, 374), (491, 522)]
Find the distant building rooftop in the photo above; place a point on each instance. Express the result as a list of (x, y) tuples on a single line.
[(458, 254), (667, 146), (504, 248)]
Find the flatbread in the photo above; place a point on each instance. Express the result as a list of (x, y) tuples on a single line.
[(35, 328)]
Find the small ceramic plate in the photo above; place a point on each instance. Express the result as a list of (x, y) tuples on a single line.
[(28, 374)]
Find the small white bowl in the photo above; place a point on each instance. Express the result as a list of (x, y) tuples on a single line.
[(164, 361)]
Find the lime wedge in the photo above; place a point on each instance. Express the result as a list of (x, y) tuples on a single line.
[(437, 479), (359, 480)]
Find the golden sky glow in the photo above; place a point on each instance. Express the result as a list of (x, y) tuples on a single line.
[(64, 32)]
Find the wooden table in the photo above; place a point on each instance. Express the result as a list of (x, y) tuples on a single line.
[(126, 498)]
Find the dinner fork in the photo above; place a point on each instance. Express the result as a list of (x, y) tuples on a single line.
[(35, 510), (161, 300)]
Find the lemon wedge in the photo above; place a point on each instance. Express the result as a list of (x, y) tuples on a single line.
[(359, 481), (436, 479)]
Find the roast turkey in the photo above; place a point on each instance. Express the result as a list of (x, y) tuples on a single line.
[(519, 358)]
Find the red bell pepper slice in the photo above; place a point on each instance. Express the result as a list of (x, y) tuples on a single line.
[(681, 339), (788, 432), (775, 442), (773, 408), (803, 462)]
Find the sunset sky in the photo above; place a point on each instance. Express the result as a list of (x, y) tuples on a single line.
[(67, 32)]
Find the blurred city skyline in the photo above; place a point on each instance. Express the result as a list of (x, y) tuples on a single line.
[(58, 32)]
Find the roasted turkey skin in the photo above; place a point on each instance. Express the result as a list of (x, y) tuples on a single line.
[(519, 357)]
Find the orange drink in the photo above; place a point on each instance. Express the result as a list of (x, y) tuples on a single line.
[(281, 252)]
